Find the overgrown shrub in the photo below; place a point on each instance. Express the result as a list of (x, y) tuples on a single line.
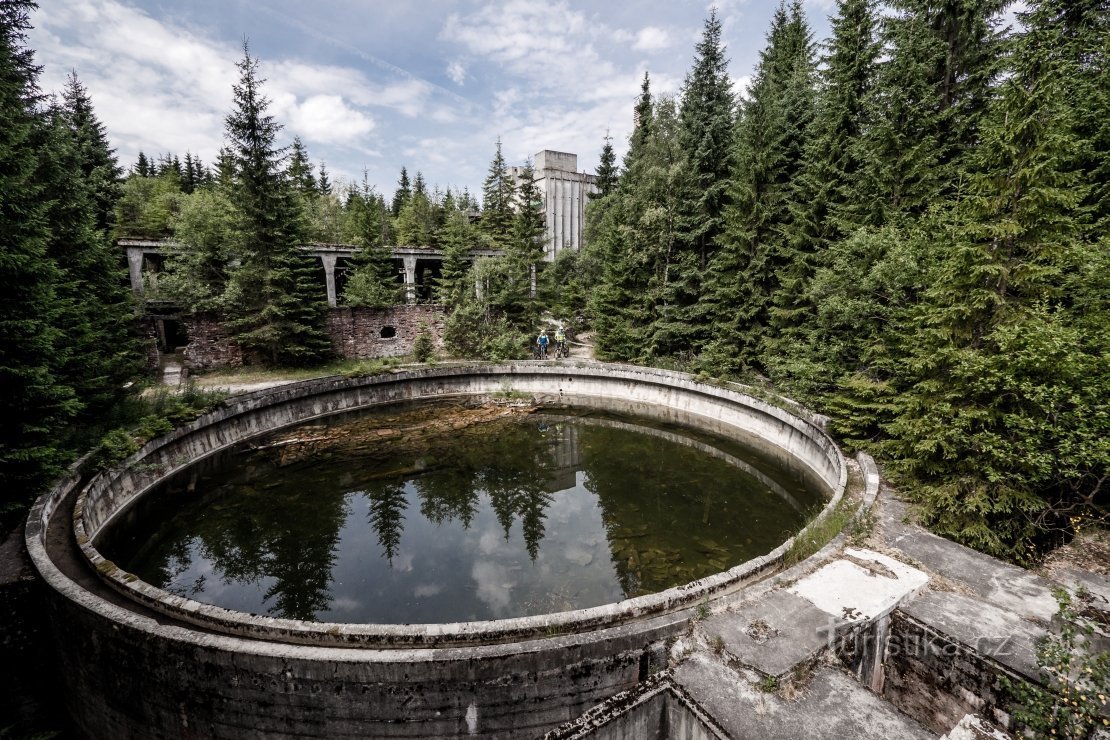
[(1073, 703), (424, 348)]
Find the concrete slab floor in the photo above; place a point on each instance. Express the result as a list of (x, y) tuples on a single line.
[(832, 705), (860, 585), (989, 630), (772, 634), (994, 581)]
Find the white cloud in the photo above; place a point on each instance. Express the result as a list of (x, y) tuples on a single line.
[(167, 89), (328, 118), (547, 43), (457, 72), (651, 39)]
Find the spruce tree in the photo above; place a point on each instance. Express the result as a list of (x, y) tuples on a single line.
[(606, 169), (373, 282), (1003, 418), (189, 181), (300, 169), (637, 237), (142, 167), (277, 307), (707, 115), (525, 250), (402, 194), (497, 202), (96, 312), (323, 183), (770, 140), (97, 159), (456, 239), (930, 94), (35, 405), (824, 187)]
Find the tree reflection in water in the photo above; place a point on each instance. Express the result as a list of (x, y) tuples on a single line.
[(503, 518)]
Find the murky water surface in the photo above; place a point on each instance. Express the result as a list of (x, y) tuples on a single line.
[(443, 515)]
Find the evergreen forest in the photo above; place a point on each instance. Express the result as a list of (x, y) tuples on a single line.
[(903, 227)]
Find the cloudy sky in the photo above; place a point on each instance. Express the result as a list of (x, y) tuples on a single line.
[(428, 84)]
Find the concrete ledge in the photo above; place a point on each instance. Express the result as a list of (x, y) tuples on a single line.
[(137, 662), (669, 395)]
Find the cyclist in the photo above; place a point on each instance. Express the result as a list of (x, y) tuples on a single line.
[(541, 342), (560, 343)]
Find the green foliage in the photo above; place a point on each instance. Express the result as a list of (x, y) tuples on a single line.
[(151, 416), (114, 447), (424, 347), (768, 684), (473, 330), (36, 403), (196, 275), (635, 241), (497, 202), (771, 138), (456, 238), (1073, 703), (275, 309), (373, 282), (148, 206)]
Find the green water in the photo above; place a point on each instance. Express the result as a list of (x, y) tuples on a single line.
[(511, 517)]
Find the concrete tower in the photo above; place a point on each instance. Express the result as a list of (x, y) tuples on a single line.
[(565, 192)]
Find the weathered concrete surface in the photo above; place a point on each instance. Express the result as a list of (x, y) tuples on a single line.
[(986, 629), (771, 635), (862, 585), (137, 662), (832, 705), (994, 581), (950, 648), (26, 701), (658, 394), (972, 727), (657, 709)]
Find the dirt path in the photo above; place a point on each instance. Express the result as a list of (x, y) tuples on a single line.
[(583, 346)]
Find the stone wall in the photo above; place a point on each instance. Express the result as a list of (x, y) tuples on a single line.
[(356, 333), (366, 333), (937, 680), (209, 345)]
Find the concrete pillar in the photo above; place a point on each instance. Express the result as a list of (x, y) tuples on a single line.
[(329, 275), (410, 279), (575, 223), (135, 268)]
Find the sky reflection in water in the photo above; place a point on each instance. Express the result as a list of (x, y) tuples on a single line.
[(508, 518)]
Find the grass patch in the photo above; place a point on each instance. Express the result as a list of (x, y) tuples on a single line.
[(812, 539), (254, 374)]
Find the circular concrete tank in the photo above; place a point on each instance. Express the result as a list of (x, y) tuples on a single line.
[(140, 662)]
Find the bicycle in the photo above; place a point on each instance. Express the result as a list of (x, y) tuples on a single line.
[(539, 352), (562, 351)]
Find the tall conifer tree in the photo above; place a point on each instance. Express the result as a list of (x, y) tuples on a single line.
[(497, 202), (707, 115), (1007, 364), (277, 310), (825, 186), (607, 172), (770, 141), (35, 405), (96, 307)]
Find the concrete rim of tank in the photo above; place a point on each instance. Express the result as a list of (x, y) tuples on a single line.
[(241, 624)]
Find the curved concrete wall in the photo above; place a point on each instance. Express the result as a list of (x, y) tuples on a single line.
[(141, 662)]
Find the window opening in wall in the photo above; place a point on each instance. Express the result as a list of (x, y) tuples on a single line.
[(388, 332)]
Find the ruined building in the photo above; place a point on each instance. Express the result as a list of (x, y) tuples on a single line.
[(565, 193)]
